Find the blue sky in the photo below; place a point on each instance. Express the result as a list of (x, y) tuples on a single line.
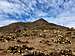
[(61, 12)]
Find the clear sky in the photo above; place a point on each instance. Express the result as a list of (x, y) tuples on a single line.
[(61, 12)]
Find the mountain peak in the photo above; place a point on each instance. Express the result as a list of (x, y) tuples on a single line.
[(41, 21)]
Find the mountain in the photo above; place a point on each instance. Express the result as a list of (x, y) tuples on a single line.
[(38, 24), (32, 39)]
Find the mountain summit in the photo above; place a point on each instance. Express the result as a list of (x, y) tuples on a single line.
[(41, 22)]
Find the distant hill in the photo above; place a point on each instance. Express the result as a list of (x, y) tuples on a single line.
[(38, 24)]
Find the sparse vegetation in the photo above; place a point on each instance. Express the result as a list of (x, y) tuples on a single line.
[(27, 40)]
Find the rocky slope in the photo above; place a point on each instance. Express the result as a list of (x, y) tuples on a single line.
[(38, 38)]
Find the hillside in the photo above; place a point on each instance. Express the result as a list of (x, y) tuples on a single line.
[(38, 38), (38, 24)]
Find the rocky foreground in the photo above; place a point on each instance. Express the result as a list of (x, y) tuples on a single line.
[(37, 42)]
